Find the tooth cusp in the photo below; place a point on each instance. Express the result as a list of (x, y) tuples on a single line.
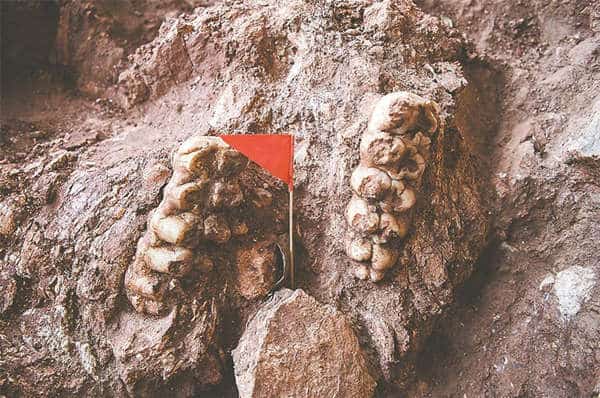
[(174, 229), (174, 260), (370, 182), (362, 216), (359, 248)]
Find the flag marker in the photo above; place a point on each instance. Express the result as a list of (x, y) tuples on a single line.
[(275, 153)]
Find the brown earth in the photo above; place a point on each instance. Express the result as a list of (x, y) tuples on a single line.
[(495, 292)]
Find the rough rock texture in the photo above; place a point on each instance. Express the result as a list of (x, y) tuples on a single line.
[(79, 179), (296, 347), (528, 324)]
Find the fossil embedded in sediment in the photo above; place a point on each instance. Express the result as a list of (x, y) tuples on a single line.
[(394, 151), (194, 223)]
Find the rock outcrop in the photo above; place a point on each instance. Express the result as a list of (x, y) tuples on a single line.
[(78, 317), (296, 347)]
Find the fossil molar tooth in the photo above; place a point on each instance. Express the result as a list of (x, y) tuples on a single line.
[(394, 151), (370, 182), (198, 209)]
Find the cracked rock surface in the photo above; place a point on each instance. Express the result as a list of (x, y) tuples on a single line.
[(117, 279), (296, 347)]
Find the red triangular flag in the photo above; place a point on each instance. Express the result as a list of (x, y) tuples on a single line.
[(274, 152)]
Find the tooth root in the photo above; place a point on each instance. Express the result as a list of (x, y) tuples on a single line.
[(175, 260), (173, 229)]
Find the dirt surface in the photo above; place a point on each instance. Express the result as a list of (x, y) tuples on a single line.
[(527, 324), (495, 292)]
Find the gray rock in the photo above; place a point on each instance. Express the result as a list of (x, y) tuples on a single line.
[(297, 347)]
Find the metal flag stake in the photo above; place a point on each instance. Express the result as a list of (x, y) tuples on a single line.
[(291, 239), (275, 153)]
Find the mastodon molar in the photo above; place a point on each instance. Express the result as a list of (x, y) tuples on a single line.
[(199, 209), (394, 151)]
